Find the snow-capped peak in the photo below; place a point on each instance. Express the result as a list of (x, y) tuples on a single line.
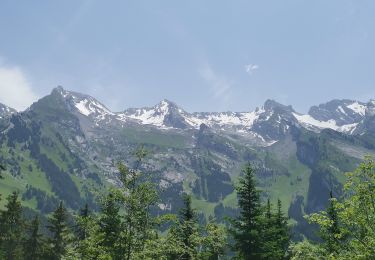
[(84, 104), (165, 114), (270, 122), (343, 112), (311, 123)]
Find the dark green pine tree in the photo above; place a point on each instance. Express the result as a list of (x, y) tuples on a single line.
[(82, 229), (269, 234), (110, 227), (246, 229), (282, 236), (332, 242), (34, 242), (187, 226), (11, 228), (268, 211), (59, 233)]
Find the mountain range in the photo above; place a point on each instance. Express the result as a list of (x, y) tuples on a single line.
[(66, 145)]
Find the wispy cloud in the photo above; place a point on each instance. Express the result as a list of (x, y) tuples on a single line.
[(220, 86), (15, 89), (251, 68)]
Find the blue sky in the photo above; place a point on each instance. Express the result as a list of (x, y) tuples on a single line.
[(204, 55)]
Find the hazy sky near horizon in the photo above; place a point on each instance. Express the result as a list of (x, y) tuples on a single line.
[(204, 55)]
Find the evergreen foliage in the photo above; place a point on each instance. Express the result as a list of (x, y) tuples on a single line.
[(187, 239), (258, 233), (110, 226), (89, 236), (332, 234), (59, 229), (246, 229), (34, 242), (136, 197), (11, 228), (124, 227)]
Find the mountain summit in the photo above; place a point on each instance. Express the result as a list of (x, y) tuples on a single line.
[(267, 124), (165, 114), (83, 104)]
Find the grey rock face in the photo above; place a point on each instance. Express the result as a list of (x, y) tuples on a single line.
[(275, 121), (342, 111), (6, 111)]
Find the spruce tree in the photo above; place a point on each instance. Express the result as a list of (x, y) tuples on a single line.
[(275, 233), (246, 229), (269, 234), (187, 227), (110, 226), (59, 232), (268, 210), (11, 228), (332, 242), (183, 237), (282, 236), (87, 244), (34, 242), (82, 227)]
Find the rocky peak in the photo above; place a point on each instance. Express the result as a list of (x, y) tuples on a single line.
[(6, 111), (274, 120), (82, 104), (165, 114), (343, 111), (272, 105)]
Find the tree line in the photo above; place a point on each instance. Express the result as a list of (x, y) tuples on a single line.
[(124, 227)]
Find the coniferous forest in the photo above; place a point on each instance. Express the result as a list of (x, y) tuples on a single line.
[(125, 226)]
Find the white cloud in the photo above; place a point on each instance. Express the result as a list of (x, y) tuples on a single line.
[(15, 89), (250, 68)]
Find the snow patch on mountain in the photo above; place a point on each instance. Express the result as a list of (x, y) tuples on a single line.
[(148, 116), (340, 109), (84, 104), (91, 107), (81, 106), (349, 128), (240, 119), (311, 123), (308, 120), (358, 108)]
